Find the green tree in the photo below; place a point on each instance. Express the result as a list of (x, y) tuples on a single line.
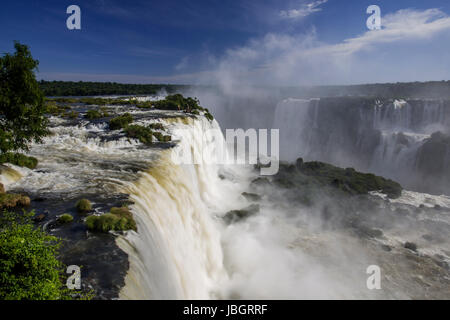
[(21, 101), (29, 268)]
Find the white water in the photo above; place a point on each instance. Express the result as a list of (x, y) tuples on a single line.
[(183, 250), (177, 252)]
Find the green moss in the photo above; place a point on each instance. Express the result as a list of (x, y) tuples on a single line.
[(93, 114), (120, 122), (83, 206), (143, 134), (65, 218), (18, 159), (119, 219), (161, 137), (12, 200)]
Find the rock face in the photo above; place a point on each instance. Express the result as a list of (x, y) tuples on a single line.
[(238, 215)]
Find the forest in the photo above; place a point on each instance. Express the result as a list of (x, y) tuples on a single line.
[(82, 88)]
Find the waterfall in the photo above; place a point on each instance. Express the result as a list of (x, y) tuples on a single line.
[(380, 136), (177, 251)]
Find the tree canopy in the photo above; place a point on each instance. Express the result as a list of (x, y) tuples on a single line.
[(21, 101)]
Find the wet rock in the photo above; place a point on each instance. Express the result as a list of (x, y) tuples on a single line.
[(261, 182), (440, 261), (251, 196), (238, 215), (39, 217), (411, 246), (386, 248), (369, 232)]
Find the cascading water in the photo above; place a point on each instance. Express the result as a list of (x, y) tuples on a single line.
[(184, 248), (177, 252), (383, 137)]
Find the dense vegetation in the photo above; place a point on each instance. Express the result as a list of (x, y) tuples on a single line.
[(121, 121), (348, 180), (29, 268), (430, 89), (80, 88), (21, 101), (309, 178)]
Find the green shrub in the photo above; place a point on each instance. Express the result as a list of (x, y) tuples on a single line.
[(178, 102), (12, 200), (18, 159), (143, 134), (83, 206), (156, 126), (93, 114), (65, 218), (29, 268), (120, 121), (119, 219), (209, 116), (161, 137)]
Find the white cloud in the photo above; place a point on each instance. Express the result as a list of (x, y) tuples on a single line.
[(402, 25), (304, 11), (301, 60)]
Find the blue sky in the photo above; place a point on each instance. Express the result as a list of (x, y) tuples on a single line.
[(252, 41)]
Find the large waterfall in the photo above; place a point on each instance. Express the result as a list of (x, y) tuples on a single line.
[(177, 253), (390, 137), (186, 248)]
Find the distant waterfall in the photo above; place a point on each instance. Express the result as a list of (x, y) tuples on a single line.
[(384, 137), (177, 252)]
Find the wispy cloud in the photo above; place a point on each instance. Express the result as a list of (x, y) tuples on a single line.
[(403, 25), (304, 11), (286, 59)]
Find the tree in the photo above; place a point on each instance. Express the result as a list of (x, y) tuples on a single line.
[(21, 101), (29, 265)]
